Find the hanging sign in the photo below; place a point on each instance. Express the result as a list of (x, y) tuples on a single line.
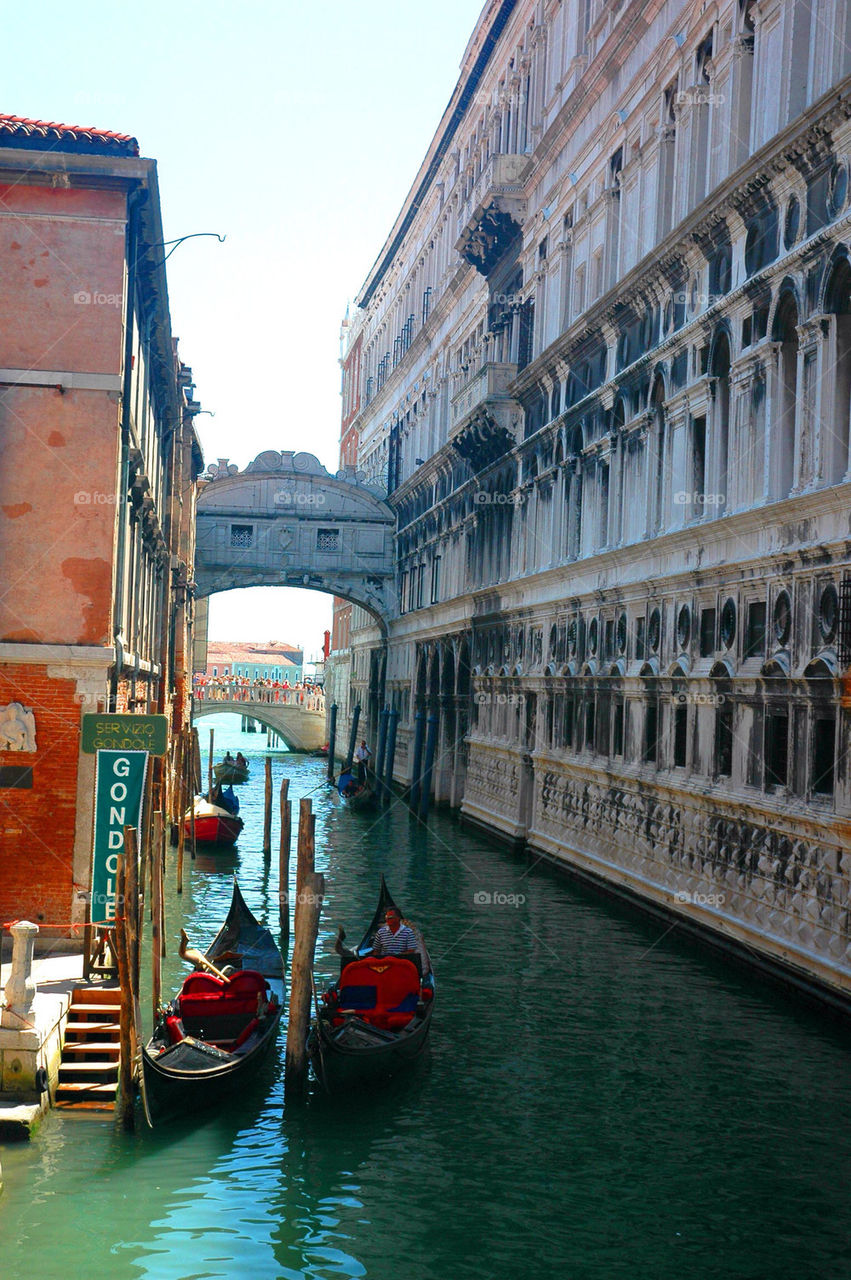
[(119, 790), (103, 732)]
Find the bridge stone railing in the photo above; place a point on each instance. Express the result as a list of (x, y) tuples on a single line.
[(260, 692)]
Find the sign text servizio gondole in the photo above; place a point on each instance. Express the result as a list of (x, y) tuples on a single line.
[(125, 733), (119, 788)]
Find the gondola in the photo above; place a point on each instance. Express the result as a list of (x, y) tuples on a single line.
[(357, 795), (215, 826), (375, 1019), (213, 1037), (231, 772)]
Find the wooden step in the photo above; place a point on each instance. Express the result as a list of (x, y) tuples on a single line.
[(99, 1009), (88, 1073), (109, 1030), (95, 995), (74, 1092), (106, 1047)]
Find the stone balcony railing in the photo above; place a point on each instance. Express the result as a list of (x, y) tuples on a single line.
[(485, 387)]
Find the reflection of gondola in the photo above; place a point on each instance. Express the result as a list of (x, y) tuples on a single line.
[(375, 1020), (215, 1034), (357, 795)]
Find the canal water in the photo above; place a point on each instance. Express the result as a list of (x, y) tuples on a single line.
[(601, 1099)]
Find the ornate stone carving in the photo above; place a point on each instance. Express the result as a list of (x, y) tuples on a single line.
[(17, 728)]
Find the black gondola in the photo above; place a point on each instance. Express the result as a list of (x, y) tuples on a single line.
[(357, 795), (215, 1035), (376, 1018)]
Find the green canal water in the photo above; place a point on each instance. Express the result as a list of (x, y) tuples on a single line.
[(600, 1100)]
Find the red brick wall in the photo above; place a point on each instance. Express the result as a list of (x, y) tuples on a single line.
[(37, 826)]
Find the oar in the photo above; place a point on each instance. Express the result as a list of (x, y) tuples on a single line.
[(319, 1031), (197, 959)]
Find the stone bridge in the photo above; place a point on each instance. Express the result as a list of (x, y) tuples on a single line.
[(297, 717), (287, 522)]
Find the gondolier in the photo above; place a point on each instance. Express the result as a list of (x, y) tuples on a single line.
[(362, 759), (394, 938)]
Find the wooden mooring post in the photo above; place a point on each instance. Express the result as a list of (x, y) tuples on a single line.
[(210, 767), (308, 910), (181, 800), (267, 811), (284, 858), (157, 930), (127, 955)]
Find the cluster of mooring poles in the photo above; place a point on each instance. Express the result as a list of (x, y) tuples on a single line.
[(425, 740)]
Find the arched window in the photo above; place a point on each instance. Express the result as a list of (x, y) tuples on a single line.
[(835, 432), (783, 432)]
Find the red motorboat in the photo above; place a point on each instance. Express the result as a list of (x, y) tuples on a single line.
[(213, 824)]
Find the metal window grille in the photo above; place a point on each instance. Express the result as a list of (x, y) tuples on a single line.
[(328, 540), (242, 535)]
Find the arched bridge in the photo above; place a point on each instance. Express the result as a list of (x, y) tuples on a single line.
[(296, 716), (287, 522)]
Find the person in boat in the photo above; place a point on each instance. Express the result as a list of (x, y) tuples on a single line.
[(241, 761), (362, 759), (393, 938), (228, 799), (349, 785), (228, 757)]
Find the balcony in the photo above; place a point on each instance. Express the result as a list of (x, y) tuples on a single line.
[(493, 213), (484, 418)]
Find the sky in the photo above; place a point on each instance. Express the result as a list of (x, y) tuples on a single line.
[(293, 128)]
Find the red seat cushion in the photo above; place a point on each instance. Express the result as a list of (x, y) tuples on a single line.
[(384, 991), (204, 995)]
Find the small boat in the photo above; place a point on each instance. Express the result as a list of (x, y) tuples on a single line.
[(214, 825), (357, 795), (376, 1018), (212, 1038), (230, 771)]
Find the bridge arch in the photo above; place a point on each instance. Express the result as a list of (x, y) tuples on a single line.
[(287, 522), (302, 730)]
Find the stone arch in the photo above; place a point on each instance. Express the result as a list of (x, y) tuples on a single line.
[(785, 331), (835, 295), (720, 360)]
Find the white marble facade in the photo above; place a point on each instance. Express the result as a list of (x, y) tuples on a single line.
[(606, 379)]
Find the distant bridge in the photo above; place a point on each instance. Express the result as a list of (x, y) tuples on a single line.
[(298, 717), (287, 522)]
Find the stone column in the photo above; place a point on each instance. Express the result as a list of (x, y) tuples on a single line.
[(20, 991)]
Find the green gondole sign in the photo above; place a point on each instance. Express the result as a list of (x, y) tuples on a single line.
[(125, 733), (119, 789)]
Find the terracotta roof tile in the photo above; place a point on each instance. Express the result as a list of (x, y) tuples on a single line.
[(50, 135)]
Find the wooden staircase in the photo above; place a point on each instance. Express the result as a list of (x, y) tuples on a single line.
[(88, 1073)]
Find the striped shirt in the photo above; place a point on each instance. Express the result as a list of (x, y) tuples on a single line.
[(387, 943)]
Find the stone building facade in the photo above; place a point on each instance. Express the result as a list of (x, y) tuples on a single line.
[(606, 378), (97, 493)]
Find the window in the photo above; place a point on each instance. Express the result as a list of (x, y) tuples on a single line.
[(640, 624), (824, 738), (707, 633), (435, 579), (755, 638), (617, 729), (215, 671), (724, 740), (651, 731), (242, 535), (568, 721), (579, 290), (420, 586), (680, 736), (327, 539), (589, 723), (698, 466), (776, 749)]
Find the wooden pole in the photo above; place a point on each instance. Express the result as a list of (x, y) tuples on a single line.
[(197, 772), (191, 746), (124, 1099), (267, 811), (301, 974), (131, 904), (284, 858), (210, 768), (181, 826), (305, 860), (157, 912)]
